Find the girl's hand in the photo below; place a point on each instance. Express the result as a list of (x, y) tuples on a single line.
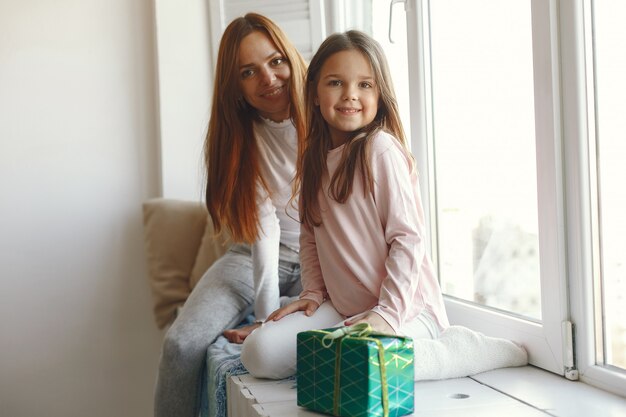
[(375, 320), (308, 306)]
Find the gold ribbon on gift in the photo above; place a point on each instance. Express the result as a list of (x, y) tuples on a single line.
[(359, 330), (356, 330)]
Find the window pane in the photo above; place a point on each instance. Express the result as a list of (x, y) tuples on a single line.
[(610, 44), (484, 153)]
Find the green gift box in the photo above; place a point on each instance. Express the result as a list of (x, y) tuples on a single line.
[(352, 372)]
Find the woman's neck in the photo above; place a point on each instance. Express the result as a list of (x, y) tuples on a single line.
[(276, 117)]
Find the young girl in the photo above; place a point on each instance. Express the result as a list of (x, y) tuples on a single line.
[(362, 238)]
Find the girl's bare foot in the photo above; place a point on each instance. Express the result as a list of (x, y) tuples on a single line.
[(239, 335), (378, 323)]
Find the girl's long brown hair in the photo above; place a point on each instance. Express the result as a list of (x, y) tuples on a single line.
[(230, 149), (313, 151)]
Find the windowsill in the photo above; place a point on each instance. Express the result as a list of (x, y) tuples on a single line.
[(525, 391)]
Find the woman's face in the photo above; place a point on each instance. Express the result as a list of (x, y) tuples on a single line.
[(264, 75)]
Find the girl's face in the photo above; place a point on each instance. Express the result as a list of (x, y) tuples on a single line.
[(264, 75), (347, 94)]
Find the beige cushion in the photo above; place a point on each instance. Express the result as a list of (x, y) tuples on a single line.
[(173, 232)]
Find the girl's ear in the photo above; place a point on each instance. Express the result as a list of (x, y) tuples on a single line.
[(316, 101)]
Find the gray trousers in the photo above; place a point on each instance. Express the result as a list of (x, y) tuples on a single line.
[(222, 298)]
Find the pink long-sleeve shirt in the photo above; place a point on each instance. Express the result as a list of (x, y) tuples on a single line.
[(369, 253)]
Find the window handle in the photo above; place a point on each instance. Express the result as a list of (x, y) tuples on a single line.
[(391, 16)]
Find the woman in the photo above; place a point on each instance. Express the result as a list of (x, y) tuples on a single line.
[(250, 153)]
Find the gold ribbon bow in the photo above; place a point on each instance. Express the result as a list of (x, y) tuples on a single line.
[(356, 330)]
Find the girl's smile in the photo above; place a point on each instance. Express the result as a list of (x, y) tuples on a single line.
[(347, 94), (347, 110)]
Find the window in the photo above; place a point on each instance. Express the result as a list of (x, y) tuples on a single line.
[(485, 117), (598, 297), (609, 44), (484, 153)]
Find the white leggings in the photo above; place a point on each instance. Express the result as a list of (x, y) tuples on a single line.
[(270, 351)]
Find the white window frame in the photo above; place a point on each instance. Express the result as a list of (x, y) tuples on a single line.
[(547, 342), (579, 134)]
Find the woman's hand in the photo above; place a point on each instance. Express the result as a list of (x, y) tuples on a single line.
[(308, 306), (379, 324), (239, 335)]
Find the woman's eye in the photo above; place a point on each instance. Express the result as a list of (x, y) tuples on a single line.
[(278, 61), (246, 73)]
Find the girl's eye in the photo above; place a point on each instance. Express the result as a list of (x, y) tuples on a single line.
[(365, 84), (334, 83)]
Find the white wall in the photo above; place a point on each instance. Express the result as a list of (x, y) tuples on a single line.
[(185, 92), (78, 155)]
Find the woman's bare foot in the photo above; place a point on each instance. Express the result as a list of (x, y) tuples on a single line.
[(240, 334)]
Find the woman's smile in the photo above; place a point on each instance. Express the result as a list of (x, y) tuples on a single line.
[(264, 76), (272, 92)]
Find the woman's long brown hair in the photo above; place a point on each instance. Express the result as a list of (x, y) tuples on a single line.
[(230, 149), (313, 151)]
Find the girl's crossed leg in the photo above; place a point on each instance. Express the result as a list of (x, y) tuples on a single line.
[(271, 350)]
